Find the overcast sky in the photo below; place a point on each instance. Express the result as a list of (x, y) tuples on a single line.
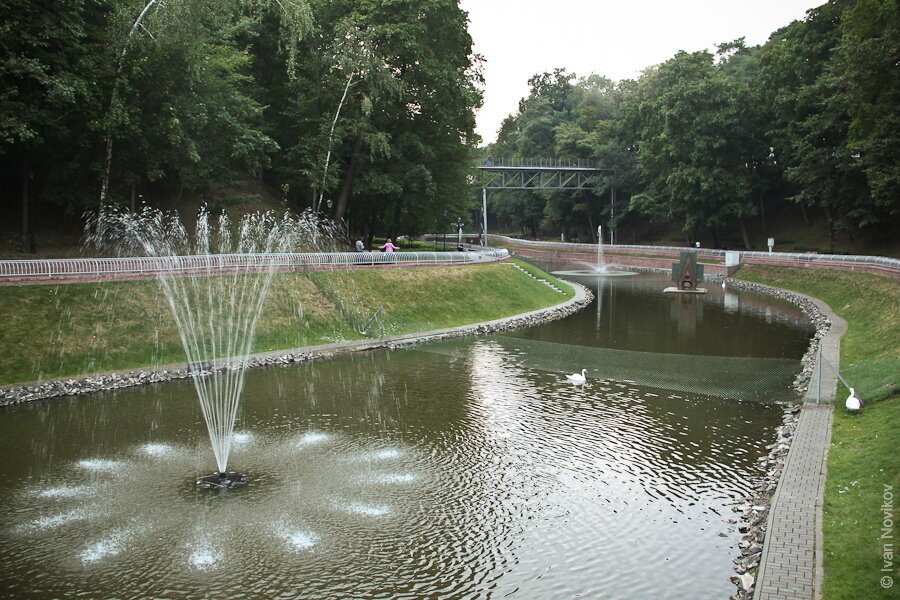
[(618, 39)]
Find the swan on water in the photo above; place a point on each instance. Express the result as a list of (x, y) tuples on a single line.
[(853, 401), (577, 378)]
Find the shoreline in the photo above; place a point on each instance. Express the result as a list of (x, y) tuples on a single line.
[(22, 393)]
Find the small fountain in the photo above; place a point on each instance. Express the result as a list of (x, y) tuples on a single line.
[(600, 269), (601, 263), (216, 282)]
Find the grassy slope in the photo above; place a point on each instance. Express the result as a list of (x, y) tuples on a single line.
[(863, 457), (870, 351), (66, 330)]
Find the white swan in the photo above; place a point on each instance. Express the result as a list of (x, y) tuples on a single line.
[(853, 401), (577, 378)]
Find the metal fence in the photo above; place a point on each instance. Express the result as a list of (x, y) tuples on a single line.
[(224, 262), (874, 264), (539, 163), (872, 380)]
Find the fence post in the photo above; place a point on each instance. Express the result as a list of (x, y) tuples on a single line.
[(819, 385)]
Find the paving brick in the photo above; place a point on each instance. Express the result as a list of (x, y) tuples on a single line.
[(788, 563)]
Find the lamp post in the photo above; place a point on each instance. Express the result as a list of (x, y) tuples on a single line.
[(459, 227)]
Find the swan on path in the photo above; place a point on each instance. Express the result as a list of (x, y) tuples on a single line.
[(577, 378), (853, 401)]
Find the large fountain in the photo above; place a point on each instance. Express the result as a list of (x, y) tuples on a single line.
[(215, 279)]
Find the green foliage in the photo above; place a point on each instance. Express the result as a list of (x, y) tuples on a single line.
[(569, 117), (867, 58), (50, 67), (365, 104), (364, 108), (388, 90), (718, 140), (835, 110), (694, 139)]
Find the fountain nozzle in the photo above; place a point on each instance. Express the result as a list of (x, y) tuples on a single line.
[(220, 480)]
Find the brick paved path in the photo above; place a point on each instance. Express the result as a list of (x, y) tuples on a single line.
[(788, 565), (791, 563)]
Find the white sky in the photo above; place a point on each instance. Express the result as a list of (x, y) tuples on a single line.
[(615, 38)]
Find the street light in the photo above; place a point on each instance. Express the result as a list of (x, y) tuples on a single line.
[(459, 227)]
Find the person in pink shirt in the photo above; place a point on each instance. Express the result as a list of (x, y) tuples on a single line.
[(388, 246)]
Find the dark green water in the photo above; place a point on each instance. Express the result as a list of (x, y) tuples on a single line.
[(463, 470)]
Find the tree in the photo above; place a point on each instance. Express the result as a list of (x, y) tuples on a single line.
[(46, 95), (810, 123), (379, 118), (866, 63), (693, 143), (183, 107)]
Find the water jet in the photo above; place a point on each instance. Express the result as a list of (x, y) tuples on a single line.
[(215, 280)]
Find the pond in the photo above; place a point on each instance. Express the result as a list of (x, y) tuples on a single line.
[(466, 469)]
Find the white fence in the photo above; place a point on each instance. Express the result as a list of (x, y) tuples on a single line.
[(251, 262), (875, 264)]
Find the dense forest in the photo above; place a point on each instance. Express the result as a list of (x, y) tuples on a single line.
[(716, 141), (364, 110), (361, 108)]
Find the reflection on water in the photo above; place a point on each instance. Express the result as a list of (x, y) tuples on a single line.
[(409, 474), (632, 313)]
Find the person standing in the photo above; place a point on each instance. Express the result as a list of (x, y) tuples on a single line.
[(388, 246)]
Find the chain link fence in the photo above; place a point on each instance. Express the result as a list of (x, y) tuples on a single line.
[(872, 380)]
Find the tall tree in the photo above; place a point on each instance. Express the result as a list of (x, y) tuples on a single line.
[(867, 58), (47, 92), (810, 122), (693, 142)]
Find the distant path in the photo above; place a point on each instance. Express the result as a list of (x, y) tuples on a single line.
[(714, 259), (80, 270)]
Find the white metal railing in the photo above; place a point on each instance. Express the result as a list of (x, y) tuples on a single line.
[(538, 163), (882, 264), (156, 265)]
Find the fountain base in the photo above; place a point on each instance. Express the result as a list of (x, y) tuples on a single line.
[(594, 273), (226, 480)]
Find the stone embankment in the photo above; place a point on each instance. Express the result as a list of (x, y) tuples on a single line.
[(753, 514), (112, 381)]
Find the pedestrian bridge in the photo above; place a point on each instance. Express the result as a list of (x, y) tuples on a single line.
[(537, 174)]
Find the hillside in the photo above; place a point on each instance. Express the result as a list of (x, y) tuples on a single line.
[(65, 330)]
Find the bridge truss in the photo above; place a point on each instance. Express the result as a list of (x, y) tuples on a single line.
[(537, 174)]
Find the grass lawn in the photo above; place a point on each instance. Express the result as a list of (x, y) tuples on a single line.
[(864, 456), (862, 461), (67, 330)]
